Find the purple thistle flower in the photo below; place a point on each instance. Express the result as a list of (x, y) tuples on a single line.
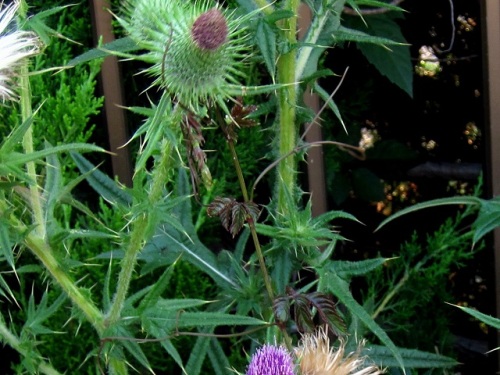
[(210, 30), (271, 360)]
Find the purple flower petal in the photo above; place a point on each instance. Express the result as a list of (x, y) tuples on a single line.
[(271, 360)]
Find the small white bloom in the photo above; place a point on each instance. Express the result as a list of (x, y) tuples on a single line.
[(15, 45)]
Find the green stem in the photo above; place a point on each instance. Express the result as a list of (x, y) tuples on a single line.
[(26, 113), (45, 254), (35, 239), (264, 6), (287, 129), (253, 231), (255, 238), (391, 295), (139, 234), (9, 338)]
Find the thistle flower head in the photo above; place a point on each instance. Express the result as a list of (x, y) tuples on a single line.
[(271, 360), (196, 49), (15, 45), (316, 357)]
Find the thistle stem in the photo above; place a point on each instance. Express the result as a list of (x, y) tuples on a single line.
[(253, 231), (140, 233), (287, 128), (26, 113), (244, 191), (9, 338)]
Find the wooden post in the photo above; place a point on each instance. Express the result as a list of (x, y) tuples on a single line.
[(113, 95), (315, 163), (491, 29)]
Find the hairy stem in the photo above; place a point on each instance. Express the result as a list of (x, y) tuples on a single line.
[(45, 254), (287, 128), (26, 113), (139, 234), (9, 338)]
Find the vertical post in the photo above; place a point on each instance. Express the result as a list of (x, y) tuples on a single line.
[(315, 164), (491, 19), (113, 95)]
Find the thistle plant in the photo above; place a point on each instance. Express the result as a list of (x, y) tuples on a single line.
[(197, 54)]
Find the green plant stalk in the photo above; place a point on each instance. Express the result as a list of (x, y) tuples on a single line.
[(8, 338), (287, 97), (35, 239), (264, 6), (391, 294), (258, 249), (45, 254), (139, 234), (26, 113)]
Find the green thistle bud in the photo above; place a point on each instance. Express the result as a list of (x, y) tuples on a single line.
[(196, 50)]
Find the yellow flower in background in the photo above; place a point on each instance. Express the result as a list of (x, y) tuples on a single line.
[(15, 45), (316, 357)]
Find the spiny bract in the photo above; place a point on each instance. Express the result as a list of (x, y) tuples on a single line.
[(196, 49)]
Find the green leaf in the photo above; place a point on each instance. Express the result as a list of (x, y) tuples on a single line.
[(101, 183), (53, 184), (15, 137), (159, 332), (198, 354), (178, 304), (5, 244), (218, 358), (395, 63), (178, 319), (37, 314), (345, 34), (340, 288), (374, 4), (184, 243), (266, 41), (122, 45), (38, 24), (487, 319), (278, 15), (347, 269), (367, 185), (487, 219), (157, 289), (128, 342), (412, 358), (326, 97), (16, 158), (325, 23), (465, 200), (282, 271)]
